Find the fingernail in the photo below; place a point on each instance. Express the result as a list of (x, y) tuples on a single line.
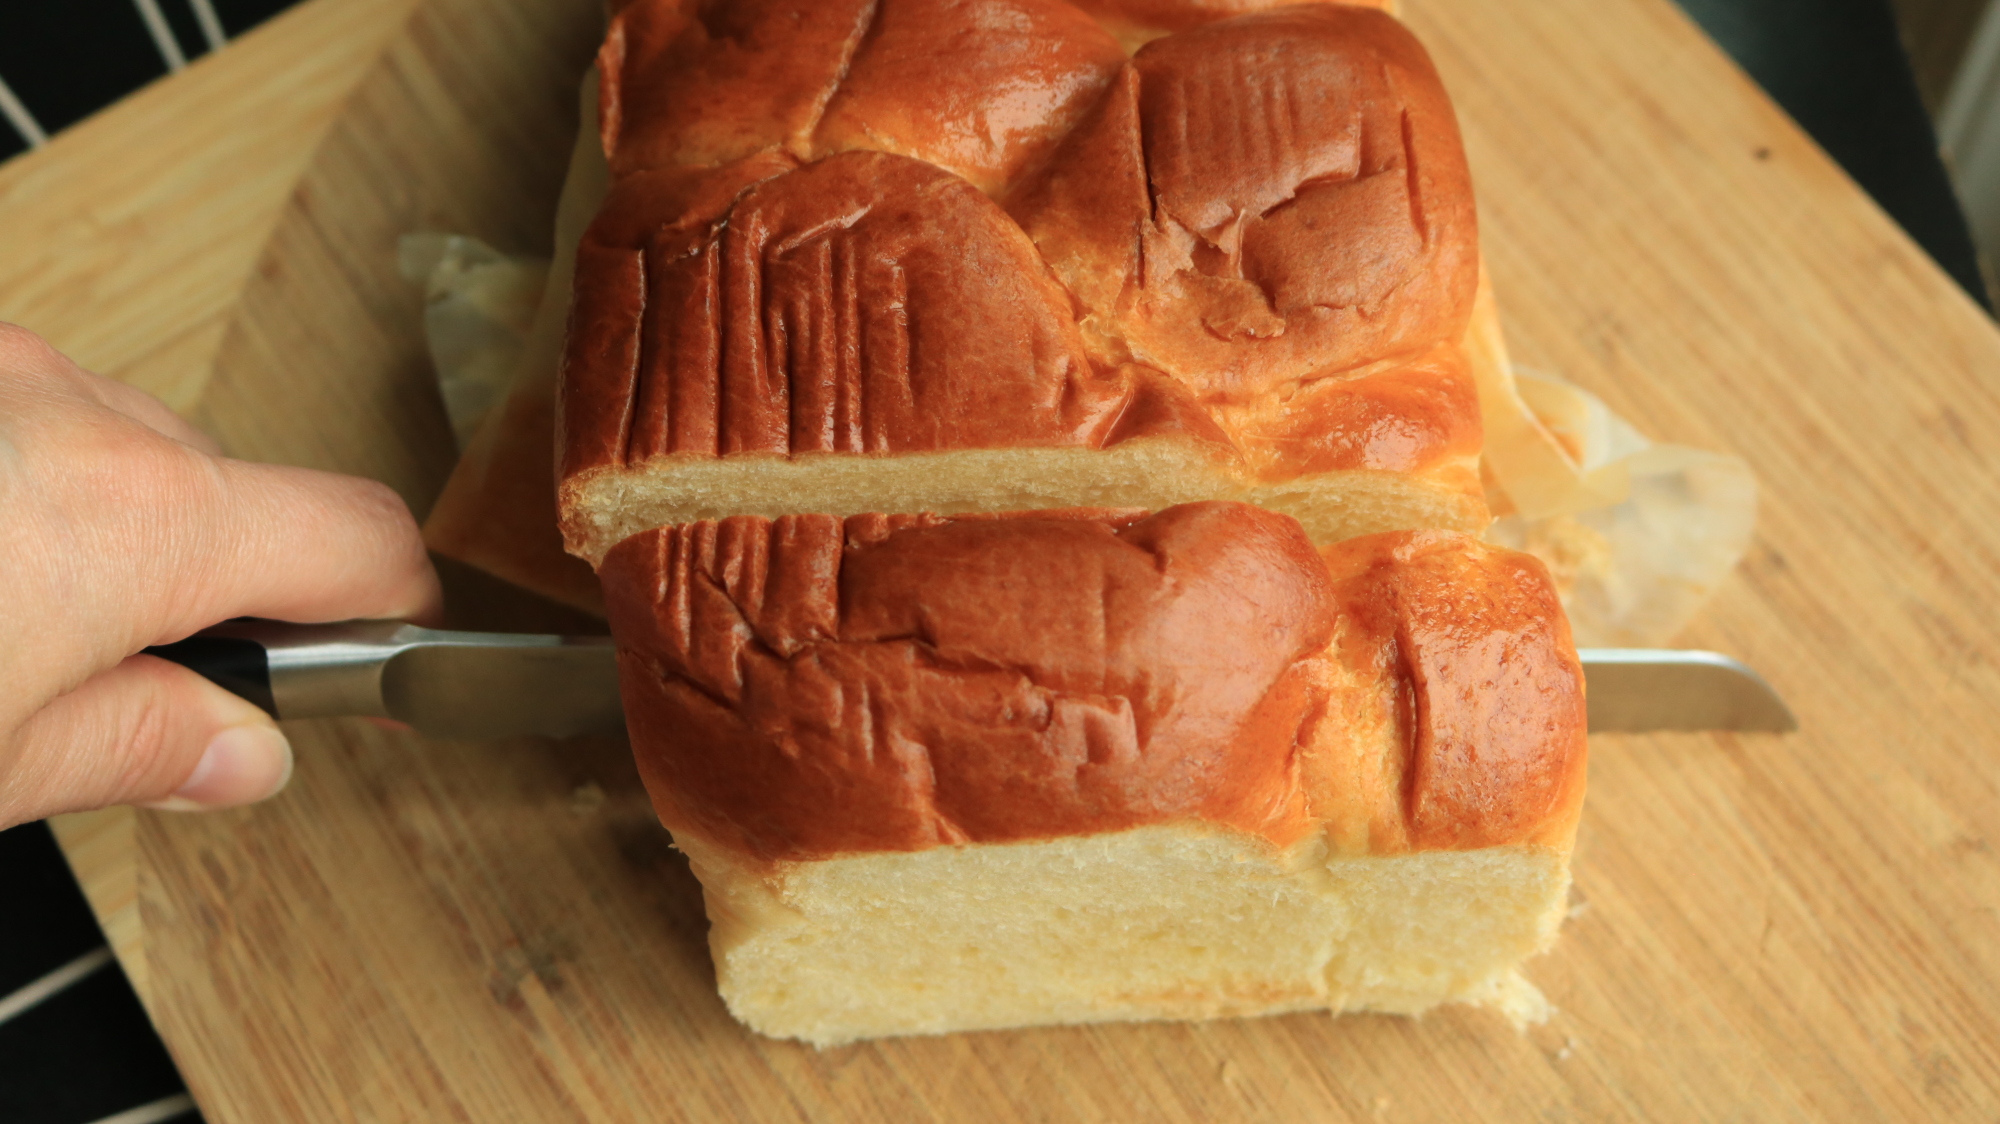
[(242, 765)]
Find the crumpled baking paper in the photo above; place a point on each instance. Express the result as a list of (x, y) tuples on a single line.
[(478, 307), (1637, 535)]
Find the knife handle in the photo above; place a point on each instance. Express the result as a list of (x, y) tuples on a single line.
[(237, 665), (298, 670)]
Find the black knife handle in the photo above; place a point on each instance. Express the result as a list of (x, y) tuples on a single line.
[(340, 669), (238, 666)]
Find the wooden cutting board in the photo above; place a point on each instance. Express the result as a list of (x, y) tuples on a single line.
[(1766, 928)]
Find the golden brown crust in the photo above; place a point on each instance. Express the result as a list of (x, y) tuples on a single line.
[(1265, 198), (691, 84), (804, 687), (980, 87), (1409, 416), (1257, 234), (983, 88), (1477, 636)]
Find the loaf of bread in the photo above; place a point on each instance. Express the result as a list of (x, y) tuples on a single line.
[(951, 773), (917, 255), (1188, 693)]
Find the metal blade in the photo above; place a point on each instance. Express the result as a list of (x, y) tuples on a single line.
[(505, 690), (505, 686), (446, 684), (1633, 689)]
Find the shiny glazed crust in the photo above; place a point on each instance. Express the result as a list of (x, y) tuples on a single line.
[(808, 687), (885, 228)]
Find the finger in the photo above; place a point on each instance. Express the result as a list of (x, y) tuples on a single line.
[(214, 538), (144, 732), (129, 540), (304, 545)]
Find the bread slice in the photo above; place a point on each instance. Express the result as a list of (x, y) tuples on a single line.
[(836, 274), (943, 774)]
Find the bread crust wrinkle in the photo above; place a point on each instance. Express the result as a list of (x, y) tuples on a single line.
[(807, 687), (981, 87), (864, 303), (1263, 198)]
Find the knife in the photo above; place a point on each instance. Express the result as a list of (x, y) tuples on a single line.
[(498, 685)]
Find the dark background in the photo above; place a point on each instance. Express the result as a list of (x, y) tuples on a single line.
[(67, 59)]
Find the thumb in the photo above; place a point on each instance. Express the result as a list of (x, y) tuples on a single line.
[(144, 732)]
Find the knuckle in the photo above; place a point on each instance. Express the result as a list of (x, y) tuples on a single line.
[(133, 513), (23, 346), (108, 459), (28, 358)]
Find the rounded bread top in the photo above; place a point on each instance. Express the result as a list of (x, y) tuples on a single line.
[(980, 87)]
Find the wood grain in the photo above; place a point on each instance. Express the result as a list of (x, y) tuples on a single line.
[(103, 854), (1796, 928), (184, 179)]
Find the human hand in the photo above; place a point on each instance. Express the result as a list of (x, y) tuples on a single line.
[(122, 526)]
